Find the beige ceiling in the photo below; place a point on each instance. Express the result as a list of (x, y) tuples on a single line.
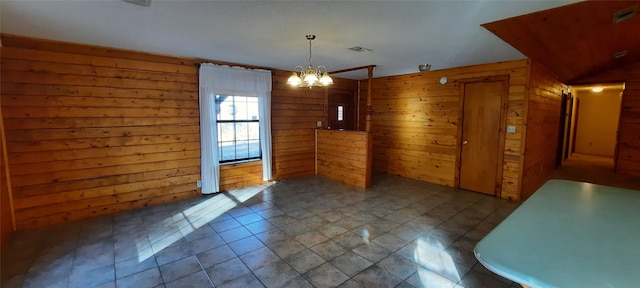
[(402, 34)]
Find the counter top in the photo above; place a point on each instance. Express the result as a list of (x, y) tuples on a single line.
[(568, 234)]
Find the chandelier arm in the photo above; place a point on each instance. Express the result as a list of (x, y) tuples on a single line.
[(321, 69), (302, 71)]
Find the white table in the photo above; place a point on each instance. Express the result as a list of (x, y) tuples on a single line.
[(568, 234)]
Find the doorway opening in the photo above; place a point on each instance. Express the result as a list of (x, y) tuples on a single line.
[(588, 137), (342, 108)]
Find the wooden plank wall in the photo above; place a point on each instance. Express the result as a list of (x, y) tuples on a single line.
[(94, 130), (415, 123), (6, 217), (239, 175), (543, 120), (628, 157), (345, 156), (6, 225), (294, 115)]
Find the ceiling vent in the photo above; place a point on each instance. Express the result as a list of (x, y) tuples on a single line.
[(360, 49), (625, 14), (620, 54), (145, 3)]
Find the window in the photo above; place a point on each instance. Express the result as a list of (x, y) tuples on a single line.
[(238, 128), (340, 112)]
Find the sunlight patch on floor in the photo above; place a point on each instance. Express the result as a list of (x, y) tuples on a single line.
[(431, 255), (195, 217)]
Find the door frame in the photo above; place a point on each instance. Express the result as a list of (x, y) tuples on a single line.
[(503, 122), (563, 128), (575, 126), (569, 130), (615, 152)]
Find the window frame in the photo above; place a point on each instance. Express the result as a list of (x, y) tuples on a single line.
[(219, 123)]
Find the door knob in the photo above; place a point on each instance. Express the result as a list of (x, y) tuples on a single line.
[(465, 142)]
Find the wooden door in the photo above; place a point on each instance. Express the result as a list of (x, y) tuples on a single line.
[(481, 147), (342, 109)]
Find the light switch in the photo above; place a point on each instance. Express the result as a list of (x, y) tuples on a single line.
[(511, 129)]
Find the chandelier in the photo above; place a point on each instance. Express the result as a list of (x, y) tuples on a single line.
[(310, 76)]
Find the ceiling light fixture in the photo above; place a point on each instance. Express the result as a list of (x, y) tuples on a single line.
[(597, 89), (310, 76)]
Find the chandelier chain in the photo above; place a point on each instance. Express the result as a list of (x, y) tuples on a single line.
[(310, 52)]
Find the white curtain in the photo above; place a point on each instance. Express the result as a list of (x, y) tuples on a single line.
[(217, 79)]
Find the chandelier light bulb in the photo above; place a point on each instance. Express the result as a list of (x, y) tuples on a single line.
[(294, 80), (310, 79), (325, 79), (310, 76)]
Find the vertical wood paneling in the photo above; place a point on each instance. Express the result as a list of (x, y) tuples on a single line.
[(345, 156), (415, 123), (543, 120), (628, 157)]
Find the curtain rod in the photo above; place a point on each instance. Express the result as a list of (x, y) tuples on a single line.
[(198, 64), (273, 72)]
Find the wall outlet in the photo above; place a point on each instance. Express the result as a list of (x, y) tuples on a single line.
[(199, 183), (511, 129)]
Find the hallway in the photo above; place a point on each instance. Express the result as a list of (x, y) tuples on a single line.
[(594, 169)]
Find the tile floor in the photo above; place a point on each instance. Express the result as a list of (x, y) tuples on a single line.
[(306, 232)]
